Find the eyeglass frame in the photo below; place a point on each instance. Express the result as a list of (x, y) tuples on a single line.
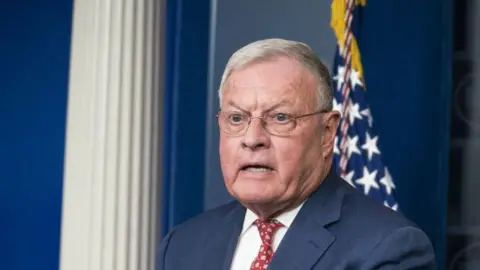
[(293, 119)]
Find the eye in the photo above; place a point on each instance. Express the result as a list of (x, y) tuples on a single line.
[(235, 118), (281, 117)]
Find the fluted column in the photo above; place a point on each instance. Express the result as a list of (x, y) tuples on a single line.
[(112, 159)]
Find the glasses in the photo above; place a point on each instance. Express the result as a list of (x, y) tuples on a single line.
[(280, 124)]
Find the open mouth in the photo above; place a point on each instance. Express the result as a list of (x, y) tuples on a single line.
[(256, 168)]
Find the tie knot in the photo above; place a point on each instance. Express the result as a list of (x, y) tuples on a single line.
[(267, 229)]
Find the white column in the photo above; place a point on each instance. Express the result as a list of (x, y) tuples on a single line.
[(112, 160)]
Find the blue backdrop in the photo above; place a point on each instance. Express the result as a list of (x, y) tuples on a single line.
[(406, 52), (184, 109), (34, 59)]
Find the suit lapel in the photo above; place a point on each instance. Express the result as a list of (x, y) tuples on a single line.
[(301, 250), (308, 239), (220, 245)]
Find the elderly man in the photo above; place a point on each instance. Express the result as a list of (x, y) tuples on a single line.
[(277, 131)]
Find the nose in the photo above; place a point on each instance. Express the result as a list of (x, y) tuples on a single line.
[(256, 137)]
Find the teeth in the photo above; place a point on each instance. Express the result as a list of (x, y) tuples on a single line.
[(257, 169)]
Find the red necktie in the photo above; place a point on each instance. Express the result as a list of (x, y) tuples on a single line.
[(267, 230)]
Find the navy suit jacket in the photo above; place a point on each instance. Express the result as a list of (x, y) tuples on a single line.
[(337, 228)]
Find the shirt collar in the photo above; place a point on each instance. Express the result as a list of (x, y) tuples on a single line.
[(285, 218)]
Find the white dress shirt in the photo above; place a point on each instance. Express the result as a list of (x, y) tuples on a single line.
[(249, 241)]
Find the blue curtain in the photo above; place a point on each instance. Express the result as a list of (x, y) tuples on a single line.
[(34, 64), (406, 53), (186, 66)]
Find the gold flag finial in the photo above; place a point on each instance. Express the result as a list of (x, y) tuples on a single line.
[(338, 24)]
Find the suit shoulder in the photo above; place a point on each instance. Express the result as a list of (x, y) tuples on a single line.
[(365, 210), (185, 239), (364, 224), (207, 218)]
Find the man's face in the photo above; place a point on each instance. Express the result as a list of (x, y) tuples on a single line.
[(260, 168)]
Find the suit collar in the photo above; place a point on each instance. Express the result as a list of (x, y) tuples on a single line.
[(222, 241), (308, 238), (285, 218), (325, 203)]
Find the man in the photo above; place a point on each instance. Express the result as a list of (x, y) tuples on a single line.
[(277, 131)]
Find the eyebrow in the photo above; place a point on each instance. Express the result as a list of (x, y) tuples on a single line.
[(233, 104), (279, 104), (271, 108)]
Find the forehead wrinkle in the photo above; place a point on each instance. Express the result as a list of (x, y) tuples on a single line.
[(303, 92), (298, 87)]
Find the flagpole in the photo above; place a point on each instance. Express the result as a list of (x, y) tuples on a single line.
[(346, 54)]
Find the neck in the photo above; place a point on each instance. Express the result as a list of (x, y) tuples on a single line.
[(272, 210)]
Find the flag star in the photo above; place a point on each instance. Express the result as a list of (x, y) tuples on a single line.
[(355, 79), (387, 182), (340, 77), (354, 112), (368, 114), (352, 146), (348, 177), (368, 181), (394, 207), (335, 147), (338, 106), (371, 146)]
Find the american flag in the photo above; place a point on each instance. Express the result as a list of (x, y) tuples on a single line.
[(357, 157)]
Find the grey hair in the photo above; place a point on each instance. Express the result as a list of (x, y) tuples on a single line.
[(268, 49)]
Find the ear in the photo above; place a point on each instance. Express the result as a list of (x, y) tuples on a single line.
[(331, 121)]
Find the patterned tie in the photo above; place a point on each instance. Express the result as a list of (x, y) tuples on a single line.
[(267, 230)]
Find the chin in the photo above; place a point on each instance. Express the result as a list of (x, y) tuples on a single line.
[(251, 198), (255, 193)]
